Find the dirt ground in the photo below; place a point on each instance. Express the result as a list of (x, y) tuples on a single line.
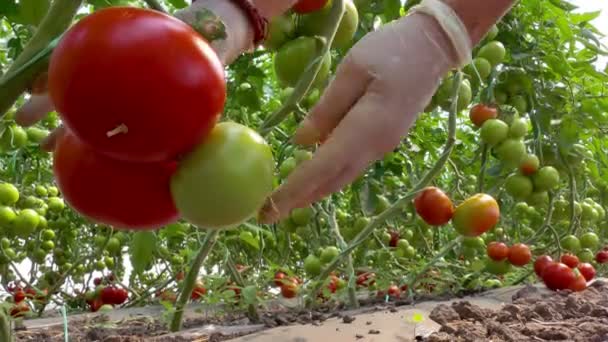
[(529, 313)]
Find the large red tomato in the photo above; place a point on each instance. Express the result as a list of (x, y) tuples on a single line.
[(121, 194), (136, 84), (434, 206), (558, 276)]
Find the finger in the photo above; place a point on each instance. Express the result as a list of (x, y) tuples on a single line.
[(48, 144), (34, 110), (343, 92), (342, 151)]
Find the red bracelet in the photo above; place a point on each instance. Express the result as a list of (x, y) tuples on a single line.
[(259, 23)]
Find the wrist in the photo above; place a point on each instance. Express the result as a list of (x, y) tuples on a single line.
[(478, 16)]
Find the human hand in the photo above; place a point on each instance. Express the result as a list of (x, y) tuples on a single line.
[(380, 87), (238, 39)]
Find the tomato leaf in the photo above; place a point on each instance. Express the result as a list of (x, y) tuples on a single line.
[(368, 199), (248, 238), (249, 294), (141, 250), (178, 3)]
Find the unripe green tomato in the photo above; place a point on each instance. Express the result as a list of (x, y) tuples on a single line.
[(109, 262), (100, 265), (41, 191), (287, 167), (570, 243), (47, 245), (585, 255)]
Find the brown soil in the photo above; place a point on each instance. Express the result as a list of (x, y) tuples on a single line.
[(532, 316)]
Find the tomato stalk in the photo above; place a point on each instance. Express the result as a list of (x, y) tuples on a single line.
[(330, 214), (6, 334), (17, 79), (155, 5), (397, 207), (252, 312), (305, 82), (443, 252), (482, 169), (191, 277), (572, 186)]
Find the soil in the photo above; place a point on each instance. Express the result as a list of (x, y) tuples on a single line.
[(532, 316)]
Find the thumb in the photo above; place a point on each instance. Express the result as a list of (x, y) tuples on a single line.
[(349, 84)]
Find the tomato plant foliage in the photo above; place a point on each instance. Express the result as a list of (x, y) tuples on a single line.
[(527, 168)]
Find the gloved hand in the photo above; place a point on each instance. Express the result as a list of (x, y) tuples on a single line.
[(239, 39), (386, 79)]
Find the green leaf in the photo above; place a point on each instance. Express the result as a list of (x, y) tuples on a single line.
[(392, 9), (141, 250), (249, 294), (578, 18), (178, 3), (248, 238)]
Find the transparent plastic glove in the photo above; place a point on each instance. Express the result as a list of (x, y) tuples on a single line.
[(238, 40), (380, 87)]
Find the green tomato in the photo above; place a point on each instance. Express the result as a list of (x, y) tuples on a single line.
[(5, 243), (312, 265), (52, 191), (36, 135), (329, 254), (519, 186), (113, 246), (47, 234), (287, 167), (381, 205), (518, 129), (39, 255), (589, 213), (590, 240), (292, 59), (225, 180), (280, 31), (55, 204), (475, 242), (494, 52), (538, 200), (47, 245), (41, 191), (314, 23), (302, 216), (26, 222), (547, 178), (585, 255), (511, 152), (492, 33), (9, 195), (13, 138), (570, 243), (100, 265), (402, 244), (409, 252), (520, 103), (497, 267), (492, 283), (7, 216), (302, 156), (408, 234), (494, 131), (109, 262)]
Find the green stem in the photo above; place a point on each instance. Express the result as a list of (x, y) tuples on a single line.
[(572, 186), (155, 5), (398, 206), (432, 262), (352, 286), (482, 171), (210, 238), (238, 279), (56, 21), (305, 82)]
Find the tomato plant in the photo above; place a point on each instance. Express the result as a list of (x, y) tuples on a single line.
[(118, 95)]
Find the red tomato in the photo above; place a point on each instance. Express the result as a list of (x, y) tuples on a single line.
[(393, 291), (109, 295), (476, 215), (540, 264), (179, 276), (480, 113), (558, 276), (570, 260), (96, 304), (587, 270), (434, 206), (602, 257), (137, 84), (168, 296), (97, 281), (579, 283), (278, 278), (290, 289), (308, 6), (497, 251), (519, 254), (198, 292), (19, 296), (121, 194), (19, 309), (395, 236)]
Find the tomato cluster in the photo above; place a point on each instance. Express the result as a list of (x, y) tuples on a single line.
[(567, 274), (289, 285), (518, 254), (142, 134), (106, 294), (296, 46), (21, 296)]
